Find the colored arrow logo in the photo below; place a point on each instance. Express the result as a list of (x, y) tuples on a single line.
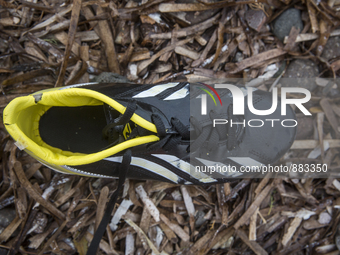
[(209, 93)]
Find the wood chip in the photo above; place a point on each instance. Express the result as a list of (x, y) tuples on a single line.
[(63, 38), (107, 39), (312, 17), (294, 32), (33, 193), (130, 244), (38, 239), (145, 63), (252, 226), (256, 248), (9, 230), (311, 36), (176, 228), (311, 144), (188, 30), (53, 237), (291, 230), (150, 206), (169, 233), (52, 19), (87, 36), (122, 209), (71, 35), (206, 50), (254, 206), (261, 57), (145, 240), (187, 53), (201, 243), (103, 198), (188, 201)]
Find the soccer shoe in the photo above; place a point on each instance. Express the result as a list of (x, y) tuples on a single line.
[(174, 131)]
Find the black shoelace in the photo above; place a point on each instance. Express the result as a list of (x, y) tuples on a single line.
[(123, 169), (168, 141)]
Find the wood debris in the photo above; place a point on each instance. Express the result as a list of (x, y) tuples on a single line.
[(149, 205), (44, 44)]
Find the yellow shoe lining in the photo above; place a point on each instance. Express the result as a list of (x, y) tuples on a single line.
[(22, 115)]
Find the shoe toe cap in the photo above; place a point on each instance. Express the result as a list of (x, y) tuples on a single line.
[(270, 136)]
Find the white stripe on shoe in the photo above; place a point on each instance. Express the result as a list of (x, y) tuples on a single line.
[(155, 90), (149, 166), (179, 94)]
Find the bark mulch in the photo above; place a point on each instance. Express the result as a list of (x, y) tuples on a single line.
[(49, 43)]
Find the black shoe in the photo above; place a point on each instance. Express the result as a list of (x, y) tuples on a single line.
[(84, 129), (145, 132)]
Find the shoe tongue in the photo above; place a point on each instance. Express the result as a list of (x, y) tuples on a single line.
[(111, 114)]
